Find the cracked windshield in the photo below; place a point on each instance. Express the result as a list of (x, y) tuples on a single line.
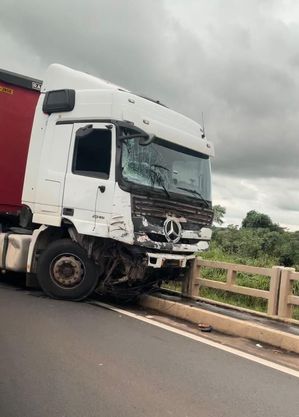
[(167, 169)]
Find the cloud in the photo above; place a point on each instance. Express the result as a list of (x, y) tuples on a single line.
[(236, 61), (276, 197), (247, 77)]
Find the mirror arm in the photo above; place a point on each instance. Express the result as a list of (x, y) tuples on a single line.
[(136, 135), (84, 131), (147, 140)]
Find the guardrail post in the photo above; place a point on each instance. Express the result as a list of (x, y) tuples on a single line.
[(285, 310), (190, 285), (274, 290), (231, 277), (186, 283)]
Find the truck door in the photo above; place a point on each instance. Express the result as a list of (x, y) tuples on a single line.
[(90, 178)]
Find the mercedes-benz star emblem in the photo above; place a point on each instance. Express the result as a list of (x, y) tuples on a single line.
[(172, 230)]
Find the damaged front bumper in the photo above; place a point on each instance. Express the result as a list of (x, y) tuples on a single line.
[(159, 260), (143, 240)]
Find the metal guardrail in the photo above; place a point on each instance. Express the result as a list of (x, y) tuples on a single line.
[(280, 298)]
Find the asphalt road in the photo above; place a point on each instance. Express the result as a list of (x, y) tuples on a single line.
[(77, 360)]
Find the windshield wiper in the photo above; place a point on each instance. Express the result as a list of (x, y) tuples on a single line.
[(165, 189), (159, 179), (195, 192)]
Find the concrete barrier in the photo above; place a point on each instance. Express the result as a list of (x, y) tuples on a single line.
[(279, 297), (287, 300), (222, 323)]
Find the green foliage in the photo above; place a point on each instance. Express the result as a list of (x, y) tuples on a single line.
[(245, 301), (260, 247), (258, 220), (219, 213), (216, 253), (259, 242)]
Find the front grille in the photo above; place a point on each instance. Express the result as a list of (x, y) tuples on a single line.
[(160, 208), (156, 237)]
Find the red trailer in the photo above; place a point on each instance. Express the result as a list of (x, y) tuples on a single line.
[(18, 98)]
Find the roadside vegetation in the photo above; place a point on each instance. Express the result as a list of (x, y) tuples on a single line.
[(258, 242)]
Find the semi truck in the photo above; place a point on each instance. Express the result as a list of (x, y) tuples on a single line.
[(101, 189)]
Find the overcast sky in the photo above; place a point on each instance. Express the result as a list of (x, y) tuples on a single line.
[(235, 60)]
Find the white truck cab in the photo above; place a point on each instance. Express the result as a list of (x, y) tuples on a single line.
[(117, 189)]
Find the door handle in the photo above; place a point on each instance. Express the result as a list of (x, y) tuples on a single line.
[(102, 188)]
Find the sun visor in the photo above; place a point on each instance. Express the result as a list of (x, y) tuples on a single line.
[(172, 134)]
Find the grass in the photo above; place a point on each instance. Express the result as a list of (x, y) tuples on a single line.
[(243, 279), (239, 300)]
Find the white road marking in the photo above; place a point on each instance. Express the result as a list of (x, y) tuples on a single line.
[(200, 339)]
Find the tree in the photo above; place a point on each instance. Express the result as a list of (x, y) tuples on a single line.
[(219, 212), (256, 220)]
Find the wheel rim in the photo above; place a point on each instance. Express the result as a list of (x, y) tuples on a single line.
[(67, 271)]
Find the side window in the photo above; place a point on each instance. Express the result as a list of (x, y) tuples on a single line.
[(92, 156)]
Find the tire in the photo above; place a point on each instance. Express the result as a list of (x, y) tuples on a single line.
[(65, 272)]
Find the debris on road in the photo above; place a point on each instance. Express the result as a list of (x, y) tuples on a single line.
[(205, 327)]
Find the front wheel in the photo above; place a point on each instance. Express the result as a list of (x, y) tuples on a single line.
[(65, 272)]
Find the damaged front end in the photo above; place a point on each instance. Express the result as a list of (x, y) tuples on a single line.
[(166, 236), (171, 226)]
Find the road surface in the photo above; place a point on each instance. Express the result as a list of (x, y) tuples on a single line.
[(69, 359)]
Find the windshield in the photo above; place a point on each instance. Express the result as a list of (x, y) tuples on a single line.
[(161, 167)]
